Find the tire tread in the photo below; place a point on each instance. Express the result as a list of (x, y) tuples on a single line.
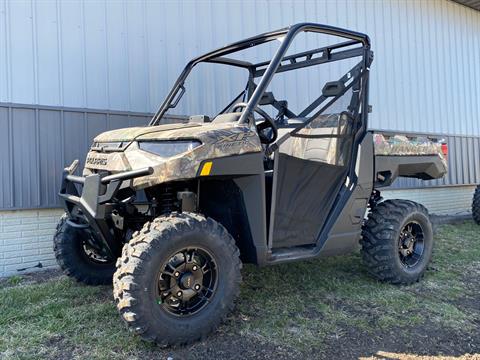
[(379, 235), (129, 266), (63, 251), (476, 205)]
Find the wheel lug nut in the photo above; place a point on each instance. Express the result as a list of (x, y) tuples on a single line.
[(177, 274), (179, 293), (197, 287), (194, 268)]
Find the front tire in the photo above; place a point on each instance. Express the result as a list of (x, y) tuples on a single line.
[(77, 259), (177, 279), (476, 205), (397, 241)]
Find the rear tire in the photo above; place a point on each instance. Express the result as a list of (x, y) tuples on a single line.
[(476, 205), (163, 272), (70, 252), (397, 241)]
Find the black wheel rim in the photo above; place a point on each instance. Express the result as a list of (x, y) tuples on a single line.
[(411, 244), (187, 281), (94, 256)]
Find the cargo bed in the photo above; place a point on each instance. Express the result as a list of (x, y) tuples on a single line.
[(412, 156)]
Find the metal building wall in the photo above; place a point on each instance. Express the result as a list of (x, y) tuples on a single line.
[(36, 143), (68, 57), (124, 55)]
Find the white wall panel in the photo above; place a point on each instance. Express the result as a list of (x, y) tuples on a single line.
[(124, 55), (20, 43), (117, 45), (4, 54), (96, 62), (47, 50), (72, 52)]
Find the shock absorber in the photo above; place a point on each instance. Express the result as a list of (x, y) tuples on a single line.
[(167, 201)]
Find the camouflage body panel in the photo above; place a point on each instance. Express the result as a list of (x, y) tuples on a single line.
[(401, 145), (129, 134), (218, 140), (326, 149)]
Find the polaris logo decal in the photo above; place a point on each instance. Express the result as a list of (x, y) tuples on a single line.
[(96, 161)]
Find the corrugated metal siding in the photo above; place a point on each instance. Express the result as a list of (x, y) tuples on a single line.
[(125, 55), (37, 143)]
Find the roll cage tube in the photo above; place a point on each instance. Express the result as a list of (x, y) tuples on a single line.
[(288, 34)]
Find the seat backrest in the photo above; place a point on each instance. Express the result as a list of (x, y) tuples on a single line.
[(315, 149)]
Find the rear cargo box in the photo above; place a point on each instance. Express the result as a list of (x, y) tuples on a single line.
[(413, 156)]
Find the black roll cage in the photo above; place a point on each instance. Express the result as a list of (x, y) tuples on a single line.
[(279, 63)]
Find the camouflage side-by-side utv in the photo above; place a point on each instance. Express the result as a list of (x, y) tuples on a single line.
[(476, 205), (172, 210)]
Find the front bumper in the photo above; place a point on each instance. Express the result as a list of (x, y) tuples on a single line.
[(93, 201)]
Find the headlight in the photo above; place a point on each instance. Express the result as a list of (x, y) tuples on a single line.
[(168, 148)]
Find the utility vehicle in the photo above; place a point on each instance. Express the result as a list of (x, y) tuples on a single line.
[(476, 205), (179, 207)]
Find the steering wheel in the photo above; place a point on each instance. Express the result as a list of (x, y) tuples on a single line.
[(268, 123)]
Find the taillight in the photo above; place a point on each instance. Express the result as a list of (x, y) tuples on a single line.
[(445, 149)]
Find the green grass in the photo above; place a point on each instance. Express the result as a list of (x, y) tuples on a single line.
[(298, 305)]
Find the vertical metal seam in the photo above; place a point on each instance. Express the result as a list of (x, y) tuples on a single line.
[(477, 83), (212, 40), (146, 51), (455, 69), (394, 88), (164, 53), (381, 24), (62, 137), (466, 65), (416, 65), (476, 157), (38, 168), (458, 160), (59, 52), (11, 156), (107, 57), (85, 129), (465, 160), (33, 11), (84, 55), (422, 84), (451, 108), (127, 54), (473, 84), (8, 52), (440, 106)]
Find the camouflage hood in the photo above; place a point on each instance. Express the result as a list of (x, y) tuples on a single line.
[(129, 134), (217, 140)]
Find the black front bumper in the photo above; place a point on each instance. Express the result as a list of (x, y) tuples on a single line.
[(93, 201)]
